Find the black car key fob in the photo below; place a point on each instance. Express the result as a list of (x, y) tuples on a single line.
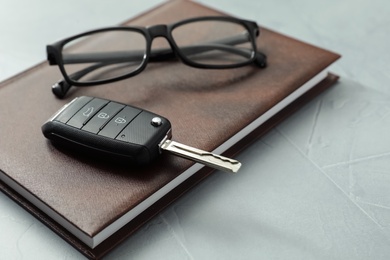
[(117, 131), (108, 128)]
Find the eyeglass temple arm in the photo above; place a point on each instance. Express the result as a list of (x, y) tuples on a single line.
[(157, 54), (165, 54)]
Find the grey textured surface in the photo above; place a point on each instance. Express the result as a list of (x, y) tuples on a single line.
[(315, 187)]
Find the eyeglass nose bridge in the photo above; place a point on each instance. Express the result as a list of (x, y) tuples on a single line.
[(160, 30)]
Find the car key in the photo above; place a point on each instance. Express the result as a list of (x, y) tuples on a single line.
[(122, 132)]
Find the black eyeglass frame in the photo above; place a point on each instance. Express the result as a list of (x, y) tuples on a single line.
[(54, 51)]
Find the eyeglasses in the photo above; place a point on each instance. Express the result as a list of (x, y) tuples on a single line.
[(111, 54)]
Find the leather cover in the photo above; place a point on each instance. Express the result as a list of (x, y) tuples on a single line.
[(205, 107)]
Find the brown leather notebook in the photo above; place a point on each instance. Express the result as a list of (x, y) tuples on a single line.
[(94, 205)]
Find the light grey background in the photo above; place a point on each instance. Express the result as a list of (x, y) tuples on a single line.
[(315, 187)]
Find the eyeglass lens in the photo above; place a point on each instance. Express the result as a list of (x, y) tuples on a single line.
[(214, 42), (104, 55)]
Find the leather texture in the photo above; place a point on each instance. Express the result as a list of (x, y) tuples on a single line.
[(205, 107)]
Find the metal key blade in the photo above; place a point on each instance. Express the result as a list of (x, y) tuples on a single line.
[(214, 161)]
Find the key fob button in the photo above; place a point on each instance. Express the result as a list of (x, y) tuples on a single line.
[(119, 121), (86, 112), (69, 110), (141, 132), (101, 118)]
